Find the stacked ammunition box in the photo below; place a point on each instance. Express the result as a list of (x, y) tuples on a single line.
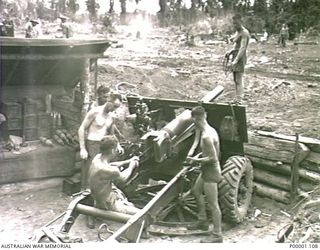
[(44, 125), (13, 112), (30, 119)]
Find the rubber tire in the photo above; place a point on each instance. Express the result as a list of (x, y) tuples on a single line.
[(233, 170)]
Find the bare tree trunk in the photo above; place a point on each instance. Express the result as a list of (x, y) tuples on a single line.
[(163, 5), (193, 9), (179, 12), (123, 13), (123, 4), (194, 4), (62, 6), (162, 12), (53, 6), (88, 84), (111, 9), (211, 7), (179, 2)]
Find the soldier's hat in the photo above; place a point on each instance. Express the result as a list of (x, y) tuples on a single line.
[(34, 21)]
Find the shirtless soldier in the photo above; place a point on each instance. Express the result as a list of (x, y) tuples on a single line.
[(98, 123), (239, 54), (102, 174), (207, 181)]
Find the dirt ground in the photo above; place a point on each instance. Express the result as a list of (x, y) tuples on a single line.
[(281, 84), (281, 94), (28, 206)]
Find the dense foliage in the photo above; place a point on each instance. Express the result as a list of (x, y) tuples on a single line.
[(259, 15)]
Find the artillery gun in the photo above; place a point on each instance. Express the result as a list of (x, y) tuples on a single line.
[(162, 151)]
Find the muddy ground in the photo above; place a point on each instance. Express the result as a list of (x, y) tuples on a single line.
[(281, 94)]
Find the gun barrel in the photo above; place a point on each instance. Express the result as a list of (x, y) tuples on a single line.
[(184, 120), (213, 94)]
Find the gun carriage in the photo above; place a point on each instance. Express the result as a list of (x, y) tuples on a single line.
[(166, 129)]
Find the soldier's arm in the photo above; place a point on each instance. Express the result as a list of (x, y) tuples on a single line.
[(212, 154), (121, 163), (234, 37), (84, 127), (118, 135), (195, 143), (125, 174)]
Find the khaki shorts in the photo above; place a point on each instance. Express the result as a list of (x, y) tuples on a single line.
[(118, 202), (211, 173)]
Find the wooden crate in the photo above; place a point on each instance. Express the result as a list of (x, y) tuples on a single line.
[(44, 132), (30, 107), (30, 121), (14, 123), (12, 109), (17, 132), (44, 120), (30, 134), (43, 162)]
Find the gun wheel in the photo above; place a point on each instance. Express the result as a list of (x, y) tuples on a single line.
[(181, 210), (235, 189)]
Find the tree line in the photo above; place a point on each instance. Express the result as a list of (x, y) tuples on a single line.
[(259, 15)]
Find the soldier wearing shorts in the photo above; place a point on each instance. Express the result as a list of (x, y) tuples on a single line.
[(239, 54), (104, 171), (206, 185)]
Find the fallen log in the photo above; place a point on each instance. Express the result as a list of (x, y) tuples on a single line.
[(271, 179), (282, 168), (271, 143), (278, 181), (268, 153), (306, 43), (312, 143), (312, 162), (274, 149), (312, 204), (273, 193)]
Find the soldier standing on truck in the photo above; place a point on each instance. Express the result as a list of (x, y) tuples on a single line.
[(239, 54), (210, 174)]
